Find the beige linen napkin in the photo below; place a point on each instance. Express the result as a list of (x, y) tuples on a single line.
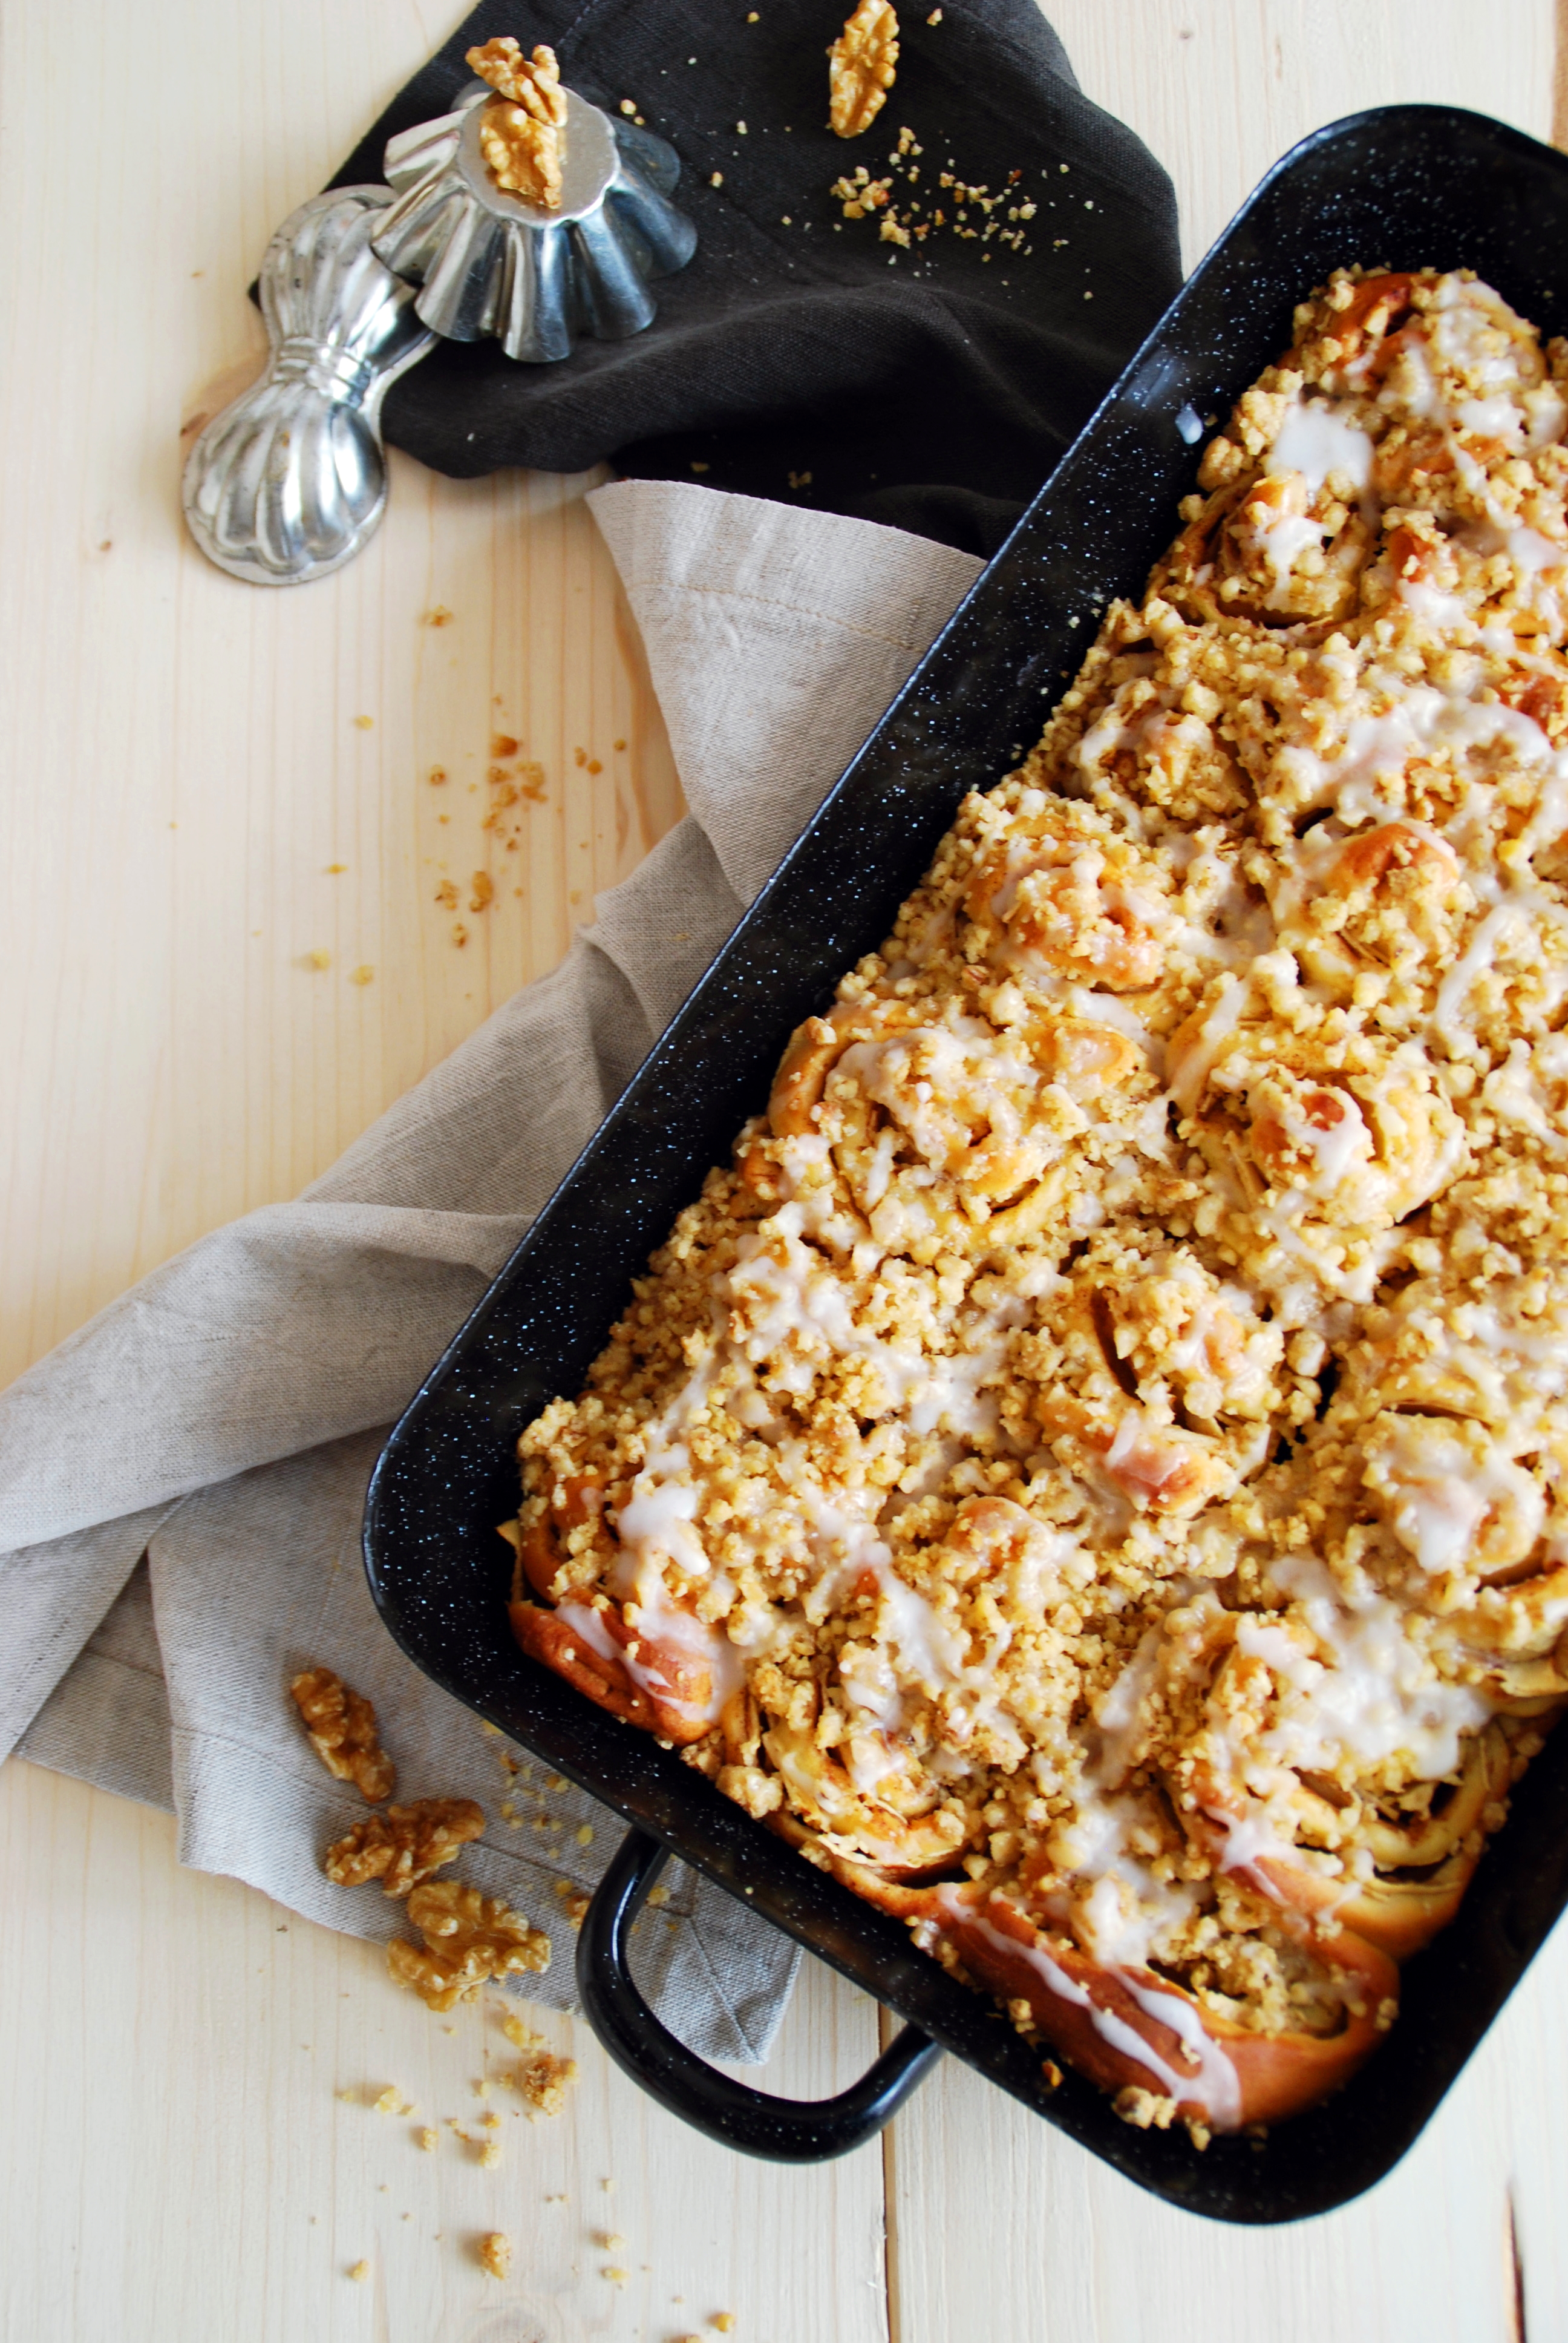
[(221, 1419)]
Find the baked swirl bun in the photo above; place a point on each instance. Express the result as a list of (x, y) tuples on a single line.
[(1093, 1472)]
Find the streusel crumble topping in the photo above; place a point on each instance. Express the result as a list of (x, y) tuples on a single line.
[(1092, 1470)]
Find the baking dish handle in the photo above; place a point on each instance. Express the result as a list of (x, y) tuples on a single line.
[(790, 2131)]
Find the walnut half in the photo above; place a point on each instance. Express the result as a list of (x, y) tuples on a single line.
[(468, 1940), (341, 1723), (520, 128), (862, 64), (404, 1844)]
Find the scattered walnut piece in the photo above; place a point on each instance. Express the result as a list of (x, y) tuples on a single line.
[(574, 1902), (520, 128), (468, 1938), (496, 2253), (341, 1723), (860, 194), (429, 2139), (1145, 2109), (725, 2322), (404, 1844), (359, 2271), (540, 2079), (860, 67)]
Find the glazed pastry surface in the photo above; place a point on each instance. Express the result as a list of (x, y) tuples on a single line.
[(1092, 1470)]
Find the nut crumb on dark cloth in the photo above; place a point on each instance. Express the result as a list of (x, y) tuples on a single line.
[(933, 387)]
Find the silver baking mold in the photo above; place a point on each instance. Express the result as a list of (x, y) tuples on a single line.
[(358, 283), (489, 262), (289, 482)]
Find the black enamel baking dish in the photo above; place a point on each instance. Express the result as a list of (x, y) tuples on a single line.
[(1402, 186)]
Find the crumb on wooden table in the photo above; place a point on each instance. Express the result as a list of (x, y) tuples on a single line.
[(496, 2253), (540, 2079)]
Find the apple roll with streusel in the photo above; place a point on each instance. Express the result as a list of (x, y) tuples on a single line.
[(1092, 1470)]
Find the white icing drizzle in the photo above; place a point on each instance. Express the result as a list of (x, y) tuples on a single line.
[(1316, 441), (1376, 1698), (1210, 2082), (663, 1624)]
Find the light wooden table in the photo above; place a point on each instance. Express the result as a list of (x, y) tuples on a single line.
[(191, 811)]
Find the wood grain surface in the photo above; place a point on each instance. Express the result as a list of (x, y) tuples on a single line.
[(194, 809)]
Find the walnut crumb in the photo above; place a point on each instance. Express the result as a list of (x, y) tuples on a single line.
[(725, 2322), (429, 2139), (540, 2079), (359, 2271), (1145, 2110), (468, 1938), (341, 1724), (861, 64), (496, 2253), (574, 1902)]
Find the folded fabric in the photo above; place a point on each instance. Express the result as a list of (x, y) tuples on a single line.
[(801, 355), (222, 1418)]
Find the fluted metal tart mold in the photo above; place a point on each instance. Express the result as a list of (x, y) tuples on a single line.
[(489, 262), (289, 481)]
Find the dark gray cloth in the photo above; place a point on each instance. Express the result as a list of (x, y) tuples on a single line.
[(933, 389)]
